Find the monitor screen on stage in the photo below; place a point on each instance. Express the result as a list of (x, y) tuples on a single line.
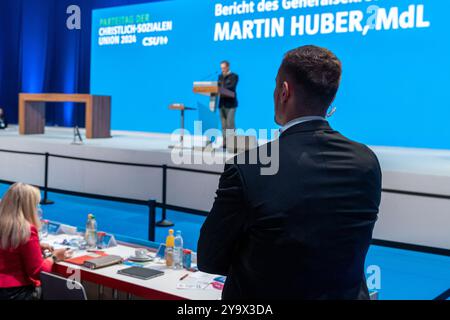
[(396, 71)]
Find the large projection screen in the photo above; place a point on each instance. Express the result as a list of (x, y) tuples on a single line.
[(395, 82)]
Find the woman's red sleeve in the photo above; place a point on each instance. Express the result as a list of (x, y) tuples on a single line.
[(32, 259)]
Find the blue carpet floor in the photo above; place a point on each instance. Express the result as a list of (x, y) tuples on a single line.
[(404, 274)]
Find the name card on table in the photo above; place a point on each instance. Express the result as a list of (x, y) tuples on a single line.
[(58, 228), (108, 241), (53, 227), (66, 229)]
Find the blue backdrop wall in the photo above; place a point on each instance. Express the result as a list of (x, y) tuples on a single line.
[(394, 89), (396, 70), (38, 53)]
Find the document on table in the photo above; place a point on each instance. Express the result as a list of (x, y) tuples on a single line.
[(62, 241), (197, 280)]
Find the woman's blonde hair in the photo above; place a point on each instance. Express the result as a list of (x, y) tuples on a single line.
[(18, 211)]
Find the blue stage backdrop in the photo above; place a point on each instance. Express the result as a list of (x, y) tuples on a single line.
[(394, 54), (38, 53), (394, 83)]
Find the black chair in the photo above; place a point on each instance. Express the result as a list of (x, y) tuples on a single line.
[(58, 288)]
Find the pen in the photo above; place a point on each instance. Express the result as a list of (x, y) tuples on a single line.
[(184, 277)]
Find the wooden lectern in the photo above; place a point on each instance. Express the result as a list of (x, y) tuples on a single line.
[(212, 89), (98, 112)]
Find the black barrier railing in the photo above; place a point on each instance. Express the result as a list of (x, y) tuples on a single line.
[(151, 204), (164, 206), (152, 220), (164, 222), (45, 200)]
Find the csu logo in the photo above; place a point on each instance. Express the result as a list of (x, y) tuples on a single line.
[(155, 41)]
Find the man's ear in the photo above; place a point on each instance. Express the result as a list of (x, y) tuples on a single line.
[(285, 92)]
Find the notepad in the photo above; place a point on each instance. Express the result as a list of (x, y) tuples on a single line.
[(141, 273), (82, 259)]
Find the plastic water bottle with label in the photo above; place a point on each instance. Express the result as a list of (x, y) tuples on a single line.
[(91, 232), (178, 251), (42, 232)]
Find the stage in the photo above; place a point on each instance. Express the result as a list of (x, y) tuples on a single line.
[(415, 206)]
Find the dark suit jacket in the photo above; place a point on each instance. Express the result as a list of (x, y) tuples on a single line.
[(302, 233), (229, 82)]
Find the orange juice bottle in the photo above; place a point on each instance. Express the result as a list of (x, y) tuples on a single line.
[(170, 242)]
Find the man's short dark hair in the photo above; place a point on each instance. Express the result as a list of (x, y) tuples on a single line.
[(225, 62), (317, 71)]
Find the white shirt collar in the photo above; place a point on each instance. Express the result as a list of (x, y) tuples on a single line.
[(296, 121)]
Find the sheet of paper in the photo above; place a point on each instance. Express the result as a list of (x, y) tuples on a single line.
[(197, 280)]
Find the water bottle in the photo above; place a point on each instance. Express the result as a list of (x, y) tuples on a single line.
[(178, 251), (44, 229), (91, 232), (40, 214)]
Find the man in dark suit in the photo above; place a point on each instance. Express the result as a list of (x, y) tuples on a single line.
[(228, 105), (304, 232)]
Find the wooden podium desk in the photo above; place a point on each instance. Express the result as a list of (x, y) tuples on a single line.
[(213, 90), (32, 112)]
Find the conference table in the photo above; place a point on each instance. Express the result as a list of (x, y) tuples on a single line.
[(159, 288)]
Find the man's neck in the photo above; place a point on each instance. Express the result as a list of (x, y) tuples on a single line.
[(303, 115), (301, 119)]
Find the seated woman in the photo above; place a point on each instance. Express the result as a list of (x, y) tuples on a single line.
[(21, 259), (3, 122)]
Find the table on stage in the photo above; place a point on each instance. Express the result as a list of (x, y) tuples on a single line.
[(32, 112), (160, 288)]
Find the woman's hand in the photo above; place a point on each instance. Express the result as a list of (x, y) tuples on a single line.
[(46, 246), (61, 254)]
